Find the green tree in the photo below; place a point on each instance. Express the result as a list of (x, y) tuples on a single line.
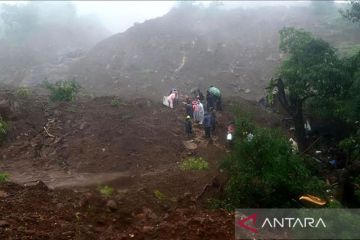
[(311, 70), (353, 12), (19, 20), (263, 170)]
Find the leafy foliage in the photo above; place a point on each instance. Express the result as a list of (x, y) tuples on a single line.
[(352, 13), (159, 195), (63, 90), (194, 163), (4, 177), (23, 92), (4, 127), (264, 172), (312, 67), (115, 102), (106, 190)]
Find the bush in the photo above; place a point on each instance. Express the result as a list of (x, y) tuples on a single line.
[(159, 195), (23, 92), (263, 171), (4, 177), (106, 191), (63, 90), (194, 163), (4, 127), (115, 102)]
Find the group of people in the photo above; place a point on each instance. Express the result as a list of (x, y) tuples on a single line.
[(195, 111)]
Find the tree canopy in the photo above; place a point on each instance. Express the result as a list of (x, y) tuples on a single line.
[(352, 13)]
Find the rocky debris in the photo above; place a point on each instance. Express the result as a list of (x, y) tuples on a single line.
[(4, 224), (112, 205), (3, 194), (190, 145)]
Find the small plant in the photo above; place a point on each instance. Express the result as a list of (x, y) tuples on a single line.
[(62, 90), (23, 92), (4, 127), (115, 102), (4, 177), (194, 163), (159, 195), (106, 190)]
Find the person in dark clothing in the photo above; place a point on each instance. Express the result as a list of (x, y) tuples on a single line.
[(210, 101), (188, 126), (207, 125), (218, 103), (200, 96), (197, 94), (213, 119), (189, 108)]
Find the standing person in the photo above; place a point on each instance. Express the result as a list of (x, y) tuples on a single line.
[(209, 101), (207, 125), (201, 112), (213, 119), (197, 94), (188, 126), (215, 92), (230, 134), (189, 108), (196, 109), (171, 99)]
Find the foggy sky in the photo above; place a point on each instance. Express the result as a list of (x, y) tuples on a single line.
[(117, 16)]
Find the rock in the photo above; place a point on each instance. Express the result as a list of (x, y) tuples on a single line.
[(4, 223), (146, 229), (82, 125), (41, 186), (3, 194), (112, 205), (190, 145)]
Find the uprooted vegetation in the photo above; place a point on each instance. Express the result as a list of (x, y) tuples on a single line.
[(64, 90)]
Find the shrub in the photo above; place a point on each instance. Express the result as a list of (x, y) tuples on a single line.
[(4, 177), (4, 127), (115, 102), (194, 163), (159, 195), (63, 90), (23, 92), (106, 190), (263, 171)]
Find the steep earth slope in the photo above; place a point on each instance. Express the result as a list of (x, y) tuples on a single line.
[(236, 50)]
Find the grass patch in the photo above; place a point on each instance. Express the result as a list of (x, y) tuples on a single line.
[(159, 195), (106, 191), (115, 102), (194, 163), (4, 177), (23, 92), (4, 127)]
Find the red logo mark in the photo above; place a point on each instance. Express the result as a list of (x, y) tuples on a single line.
[(242, 222)]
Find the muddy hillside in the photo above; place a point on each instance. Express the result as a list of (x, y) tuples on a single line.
[(111, 169), (238, 50)]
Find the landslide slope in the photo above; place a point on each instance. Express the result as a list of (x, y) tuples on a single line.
[(192, 46)]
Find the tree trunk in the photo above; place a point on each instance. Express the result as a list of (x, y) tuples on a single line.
[(299, 129), (293, 106)]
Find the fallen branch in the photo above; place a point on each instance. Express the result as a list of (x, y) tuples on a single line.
[(311, 145), (49, 134)]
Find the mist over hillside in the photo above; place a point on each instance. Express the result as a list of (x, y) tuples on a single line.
[(39, 39), (193, 46)]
